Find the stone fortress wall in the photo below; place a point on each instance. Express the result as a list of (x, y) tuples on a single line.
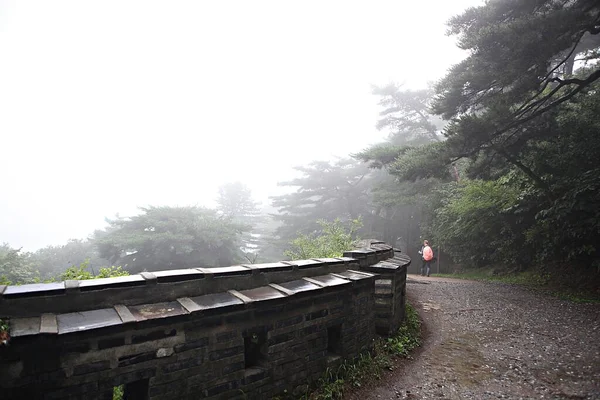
[(248, 331)]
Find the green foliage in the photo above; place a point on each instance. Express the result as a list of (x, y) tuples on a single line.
[(235, 202), (51, 261), (472, 226), (408, 336), (502, 98), (333, 239), (236, 205), (426, 161), (346, 190), (523, 138), (15, 266), (49, 264), (381, 155), (513, 45), (324, 191), (406, 115), (75, 272), (413, 162), (171, 237), (111, 272), (118, 392), (81, 272)]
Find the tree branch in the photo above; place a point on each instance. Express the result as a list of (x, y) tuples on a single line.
[(581, 85), (528, 171), (545, 78)]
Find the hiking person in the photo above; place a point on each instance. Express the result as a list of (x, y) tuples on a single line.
[(426, 253)]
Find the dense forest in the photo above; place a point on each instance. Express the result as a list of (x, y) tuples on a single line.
[(497, 164)]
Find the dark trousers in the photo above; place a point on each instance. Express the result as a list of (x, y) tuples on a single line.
[(426, 267)]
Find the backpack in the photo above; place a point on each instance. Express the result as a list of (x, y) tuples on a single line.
[(427, 253)]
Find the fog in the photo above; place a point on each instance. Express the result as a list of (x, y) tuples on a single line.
[(108, 106)]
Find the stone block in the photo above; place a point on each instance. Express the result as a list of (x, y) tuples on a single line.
[(282, 338), (189, 345), (124, 314), (293, 320), (183, 364), (87, 320), (233, 367), (157, 310), (111, 342), (227, 336), (178, 275), (24, 326), (221, 388), (136, 358), (223, 353), (34, 290), (48, 324), (155, 335), (70, 391), (91, 367), (111, 283), (316, 315)]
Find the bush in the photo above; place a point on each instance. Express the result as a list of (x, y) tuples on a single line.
[(81, 272), (332, 241)]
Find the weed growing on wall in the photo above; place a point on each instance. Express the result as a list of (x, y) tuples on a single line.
[(118, 393), (4, 332)]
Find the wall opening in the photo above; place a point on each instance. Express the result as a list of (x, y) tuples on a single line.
[(137, 390), (255, 349), (334, 340)]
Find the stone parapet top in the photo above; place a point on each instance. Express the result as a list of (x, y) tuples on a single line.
[(67, 323), (169, 285)]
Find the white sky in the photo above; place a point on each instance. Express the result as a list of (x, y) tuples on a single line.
[(110, 105)]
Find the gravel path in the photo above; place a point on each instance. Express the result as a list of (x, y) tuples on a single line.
[(491, 340)]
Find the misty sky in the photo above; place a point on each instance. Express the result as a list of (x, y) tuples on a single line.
[(110, 105)]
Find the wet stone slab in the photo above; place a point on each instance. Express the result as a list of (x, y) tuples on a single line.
[(24, 326), (329, 260), (277, 266), (346, 259), (363, 251), (158, 310), (385, 265), (302, 264), (400, 259), (178, 275), (330, 280), (106, 283), (262, 293), (216, 300), (34, 289), (355, 275), (235, 270), (86, 320), (299, 285)]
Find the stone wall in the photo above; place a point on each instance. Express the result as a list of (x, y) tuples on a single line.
[(234, 332)]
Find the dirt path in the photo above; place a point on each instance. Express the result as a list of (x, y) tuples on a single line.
[(491, 340)]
